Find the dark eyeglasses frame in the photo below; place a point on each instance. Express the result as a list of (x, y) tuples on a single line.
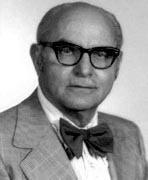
[(55, 46)]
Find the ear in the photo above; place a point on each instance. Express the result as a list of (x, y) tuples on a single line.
[(118, 63), (36, 55)]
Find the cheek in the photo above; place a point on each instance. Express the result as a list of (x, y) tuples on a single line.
[(55, 74), (56, 77), (105, 80)]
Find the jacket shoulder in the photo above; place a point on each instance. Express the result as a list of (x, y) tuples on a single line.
[(9, 117), (8, 121), (122, 124)]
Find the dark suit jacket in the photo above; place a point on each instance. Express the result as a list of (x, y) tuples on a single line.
[(31, 150)]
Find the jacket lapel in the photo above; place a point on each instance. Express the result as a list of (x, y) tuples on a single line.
[(45, 157), (112, 168), (48, 161)]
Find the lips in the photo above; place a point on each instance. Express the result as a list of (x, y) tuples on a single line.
[(83, 86)]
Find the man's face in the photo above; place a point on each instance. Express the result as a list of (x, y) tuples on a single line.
[(78, 87)]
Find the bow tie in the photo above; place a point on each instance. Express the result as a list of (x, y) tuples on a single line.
[(99, 139)]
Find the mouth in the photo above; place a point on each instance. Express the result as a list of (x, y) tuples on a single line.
[(82, 88)]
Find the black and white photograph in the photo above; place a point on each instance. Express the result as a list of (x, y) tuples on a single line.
[(74, 90)]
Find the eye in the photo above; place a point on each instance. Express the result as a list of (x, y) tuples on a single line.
[(100, 54), (66, 50)]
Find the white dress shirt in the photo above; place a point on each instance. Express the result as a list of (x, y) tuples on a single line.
[(86, 167)]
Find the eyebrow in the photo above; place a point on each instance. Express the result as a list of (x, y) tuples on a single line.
[(63, 40)]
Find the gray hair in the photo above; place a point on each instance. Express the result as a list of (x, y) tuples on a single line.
[(54, 14)]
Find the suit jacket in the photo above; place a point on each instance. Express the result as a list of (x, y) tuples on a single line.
[(31, 150)]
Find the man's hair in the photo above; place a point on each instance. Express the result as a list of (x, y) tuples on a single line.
[(55, 13)]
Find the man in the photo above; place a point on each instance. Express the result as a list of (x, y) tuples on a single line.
[(57, 133)]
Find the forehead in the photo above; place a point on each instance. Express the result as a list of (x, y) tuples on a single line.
[(84, 26)]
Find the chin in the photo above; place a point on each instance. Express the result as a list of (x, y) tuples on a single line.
[(80, 105)]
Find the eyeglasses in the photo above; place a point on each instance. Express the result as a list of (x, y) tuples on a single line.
[(69, 54)]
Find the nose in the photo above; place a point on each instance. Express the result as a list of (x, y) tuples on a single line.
[(84, 67)]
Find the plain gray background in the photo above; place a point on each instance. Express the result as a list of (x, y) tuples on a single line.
[(129, 97)]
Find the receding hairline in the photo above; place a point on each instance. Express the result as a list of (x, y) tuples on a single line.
[(53, 16)]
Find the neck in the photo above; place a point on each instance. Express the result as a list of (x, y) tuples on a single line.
[(80, 117)]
